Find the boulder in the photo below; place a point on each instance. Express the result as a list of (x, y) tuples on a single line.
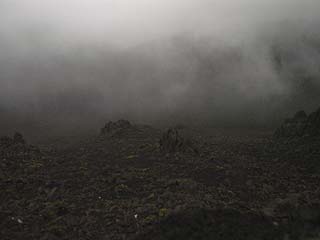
[(174, 140), (7, 141), (300, 125), (313, 124), (114, 127), (18, 138)]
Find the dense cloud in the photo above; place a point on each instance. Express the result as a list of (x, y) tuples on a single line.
[(211, 62)]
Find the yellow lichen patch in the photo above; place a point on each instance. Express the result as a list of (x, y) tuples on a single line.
[(163, 212)]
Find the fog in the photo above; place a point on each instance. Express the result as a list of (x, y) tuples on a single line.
[(210, 62)]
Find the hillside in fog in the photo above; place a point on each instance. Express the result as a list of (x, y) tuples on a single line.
[(195, 79)]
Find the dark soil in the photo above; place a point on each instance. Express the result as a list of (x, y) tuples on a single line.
[(122, 184)]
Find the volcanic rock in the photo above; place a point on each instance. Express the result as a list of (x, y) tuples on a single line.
[(18, 138), (300, 125), (221, 224), (7, 141), (174, 140), (313, 124), (114, 127)]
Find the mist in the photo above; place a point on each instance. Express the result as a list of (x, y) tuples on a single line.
[(216, 63)]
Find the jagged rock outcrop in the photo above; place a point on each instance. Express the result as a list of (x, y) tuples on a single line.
[(18, 138), (7, 141), (300, 125), (113, 127), (16, 155), (174, 140), (313, 124)]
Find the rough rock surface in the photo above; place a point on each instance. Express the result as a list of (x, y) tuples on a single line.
[(222, 224), (115, 127), (174, 140), (7, 141), (124, 187), (301, 125)]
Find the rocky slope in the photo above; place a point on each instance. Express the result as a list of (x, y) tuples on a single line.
[(124, 184)]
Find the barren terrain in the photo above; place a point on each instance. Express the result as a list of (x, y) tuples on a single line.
[(128, 183)]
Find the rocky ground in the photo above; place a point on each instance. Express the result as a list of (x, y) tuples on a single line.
[(139, 182)]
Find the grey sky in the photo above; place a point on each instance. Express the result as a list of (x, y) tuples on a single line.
[(127, 22)]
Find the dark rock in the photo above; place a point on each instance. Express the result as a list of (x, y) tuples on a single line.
[(174, 140), (300, 125), (18, 138), (5, 141), (113, 127), (221, 224), (313, 124), (301, 115)]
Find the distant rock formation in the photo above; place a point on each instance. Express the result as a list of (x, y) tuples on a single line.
[(16, 147), (301, 125), (7, 141), (174, 140), (114, 127), (18, 138)]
